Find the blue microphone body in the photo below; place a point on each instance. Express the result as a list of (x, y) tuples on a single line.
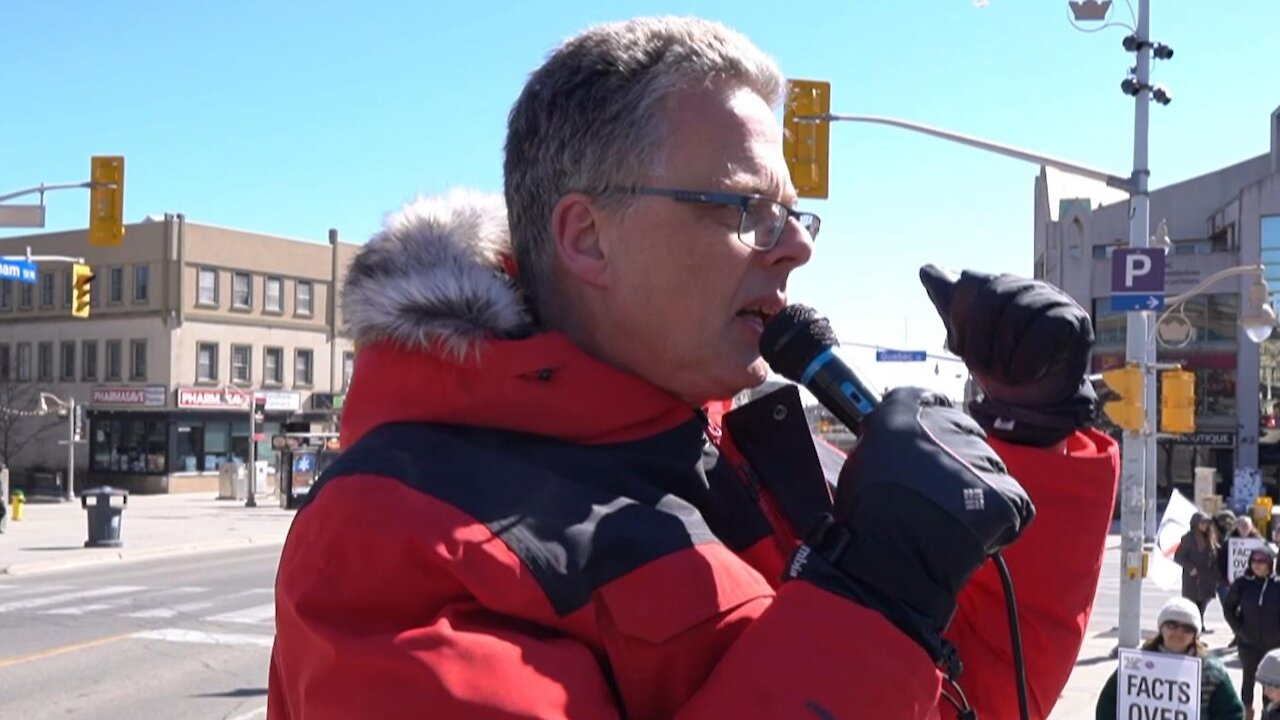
[(800, 345), (839, 389)]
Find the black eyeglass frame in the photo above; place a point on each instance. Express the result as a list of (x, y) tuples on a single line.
[(807, 220)]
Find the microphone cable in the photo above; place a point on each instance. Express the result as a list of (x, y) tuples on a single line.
[(1015, 636)]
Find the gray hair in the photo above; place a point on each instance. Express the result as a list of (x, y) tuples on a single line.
[(592, 116)]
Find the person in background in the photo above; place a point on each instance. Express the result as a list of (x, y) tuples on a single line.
[(1178, 632), (1198, 555), (1230, 527), (1252, 609), (1268, 676)]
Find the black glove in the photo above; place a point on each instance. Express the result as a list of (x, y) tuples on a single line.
[(923, 500), (1027, 345)]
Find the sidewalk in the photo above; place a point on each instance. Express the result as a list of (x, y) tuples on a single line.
[(51, 535), (1094, 664)]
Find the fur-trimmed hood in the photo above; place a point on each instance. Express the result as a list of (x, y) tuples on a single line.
[(443, 335), (436, 277)]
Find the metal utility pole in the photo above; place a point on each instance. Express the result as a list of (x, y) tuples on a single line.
[(1134, 451), (71, 449)]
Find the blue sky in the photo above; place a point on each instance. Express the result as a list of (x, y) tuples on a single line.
[(293, 117)]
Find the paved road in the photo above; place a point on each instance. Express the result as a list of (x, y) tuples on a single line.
[(185, 637)]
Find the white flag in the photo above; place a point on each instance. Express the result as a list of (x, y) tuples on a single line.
[(1176, 521)]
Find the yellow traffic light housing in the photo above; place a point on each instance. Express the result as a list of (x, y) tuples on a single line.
[(81, 289), (1129, 383), (806, 144), (1178, 401), (106, 201)]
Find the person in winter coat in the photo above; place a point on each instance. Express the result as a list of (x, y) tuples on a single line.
[(1252, 610), (533, 516), (1268, 676), (1179, 633), (1198, 555)]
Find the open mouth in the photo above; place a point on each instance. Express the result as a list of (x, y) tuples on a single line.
[(757, 316)]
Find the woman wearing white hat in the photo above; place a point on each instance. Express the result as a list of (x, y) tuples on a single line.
[(1268, 675), (1179, 633)]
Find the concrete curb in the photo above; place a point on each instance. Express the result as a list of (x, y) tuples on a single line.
[(125, 554)]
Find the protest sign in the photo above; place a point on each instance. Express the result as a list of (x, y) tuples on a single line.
[(1157, 686), (1238, 550)]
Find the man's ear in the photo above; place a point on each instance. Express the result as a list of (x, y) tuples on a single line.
[(575, 230)]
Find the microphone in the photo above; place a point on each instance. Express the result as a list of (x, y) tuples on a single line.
[(798, 344)]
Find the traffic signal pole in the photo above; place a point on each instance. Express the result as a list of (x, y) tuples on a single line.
[(1137, 447)]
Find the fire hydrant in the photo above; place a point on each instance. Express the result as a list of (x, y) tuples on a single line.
[(17, 499)]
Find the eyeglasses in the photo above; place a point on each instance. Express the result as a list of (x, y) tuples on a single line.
[(1172, 625), (762, 222)]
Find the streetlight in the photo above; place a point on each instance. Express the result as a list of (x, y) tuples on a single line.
[(68, 407), (250, 398), (1256, 319)]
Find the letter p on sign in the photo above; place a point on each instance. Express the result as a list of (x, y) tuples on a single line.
[(1135, 266)]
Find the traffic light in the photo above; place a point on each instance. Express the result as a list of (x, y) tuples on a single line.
[(806, 145), (106, 201), (1129, 384), (1178, 401), (81, 289)]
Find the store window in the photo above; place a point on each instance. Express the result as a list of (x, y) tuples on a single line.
[(203, 446), (129, 445)]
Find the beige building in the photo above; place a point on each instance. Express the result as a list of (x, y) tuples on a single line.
[(1218, 220), (188, 321)]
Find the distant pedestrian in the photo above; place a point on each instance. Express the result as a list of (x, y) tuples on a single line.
[(1268, 676), (1252, 608), (1198, 555), (1179, 634)]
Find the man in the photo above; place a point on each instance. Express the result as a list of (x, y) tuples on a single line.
[(532, 517)]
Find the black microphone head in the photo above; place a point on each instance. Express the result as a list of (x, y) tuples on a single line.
[(793, 338)]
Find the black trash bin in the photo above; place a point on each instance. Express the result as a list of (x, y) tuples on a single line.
[(104, 515)]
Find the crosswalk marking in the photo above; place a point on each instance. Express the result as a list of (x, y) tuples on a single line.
[(197, 636), (171, 611), (60, 598), (255, 615)]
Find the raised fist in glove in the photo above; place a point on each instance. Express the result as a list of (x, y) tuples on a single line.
[(923, 500), (1027, 344)]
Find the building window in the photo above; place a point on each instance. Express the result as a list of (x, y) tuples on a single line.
[(67, 286), (113, 361), (207, 287), (141, 283), (46, 290), (129, 444), (302, 368), (241, 291), (6, 363), (89, 359), (44, 361), (115, 285), (348, 368), (26, 291), (302, 298), (273, 292), (206, 362), (137, 359), (6, 294), (24, 362), (273, 366), (241, 357), (68, 360)]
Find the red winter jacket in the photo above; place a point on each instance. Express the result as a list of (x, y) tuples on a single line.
[(515, 530)]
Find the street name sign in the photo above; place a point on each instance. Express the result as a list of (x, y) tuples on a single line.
[(22, 271), (883, 355)]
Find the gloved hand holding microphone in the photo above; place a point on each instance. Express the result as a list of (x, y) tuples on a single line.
[(924, 500)]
